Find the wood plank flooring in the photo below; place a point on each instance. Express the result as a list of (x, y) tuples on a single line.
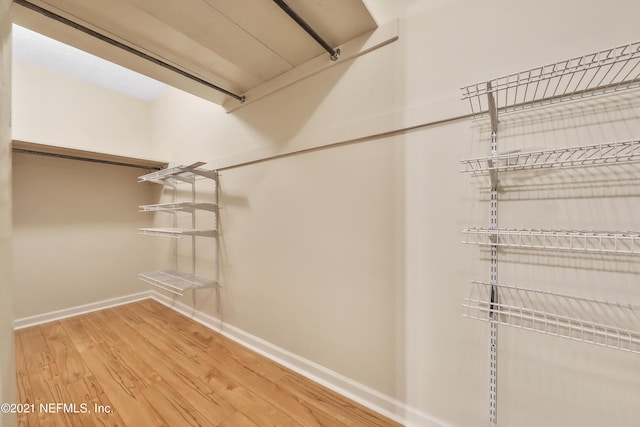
[(143, 364)]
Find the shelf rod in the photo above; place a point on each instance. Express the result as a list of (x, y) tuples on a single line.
[(120, 45), (335, 53), (83, 159)]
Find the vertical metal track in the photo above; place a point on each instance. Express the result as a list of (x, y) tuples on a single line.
[(175, 225), (193, 239), (493, 340), (493, 313), (216, 211)]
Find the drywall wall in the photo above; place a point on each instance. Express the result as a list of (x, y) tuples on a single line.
[(342, 253), (54, 109), (7, 357), (329, 217), (77, 222)]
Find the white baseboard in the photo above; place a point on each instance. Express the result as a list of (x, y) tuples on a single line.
[(38, 319), (347, 387), (353, 390)]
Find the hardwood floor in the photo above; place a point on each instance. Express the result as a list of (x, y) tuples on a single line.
[(143, 364)]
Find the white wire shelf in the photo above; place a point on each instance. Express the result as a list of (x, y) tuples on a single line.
[(566, 240), (177, 232), (607, 324), (172, 176), (176, 281), (597, 73), (588, 155), (179, 206)]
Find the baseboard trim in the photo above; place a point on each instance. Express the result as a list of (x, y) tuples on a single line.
[(347, 387), (38, 319)]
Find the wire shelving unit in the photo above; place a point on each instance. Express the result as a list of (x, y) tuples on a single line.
[(563, 240), (175, 175), (178, 206), (177, 232), (606, 71), (613, 325), (173, 280), (587, 155), (603, 323), (177, 282)]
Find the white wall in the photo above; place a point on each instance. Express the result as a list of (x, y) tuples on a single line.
[(7, 356), (77, 222), (54, 109), (350, 256)]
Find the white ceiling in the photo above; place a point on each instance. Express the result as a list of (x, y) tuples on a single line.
[(36, 49), (237, 45)]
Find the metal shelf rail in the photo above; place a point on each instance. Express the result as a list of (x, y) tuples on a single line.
[(564, 240), (607, 71), (588, 155), (581, 319)]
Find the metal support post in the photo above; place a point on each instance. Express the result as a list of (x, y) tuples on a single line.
[(216, 211), (493, 313)]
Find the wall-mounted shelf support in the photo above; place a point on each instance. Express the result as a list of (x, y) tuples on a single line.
[(493, 218)]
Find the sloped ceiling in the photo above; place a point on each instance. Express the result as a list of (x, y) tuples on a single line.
[(235, 44)]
